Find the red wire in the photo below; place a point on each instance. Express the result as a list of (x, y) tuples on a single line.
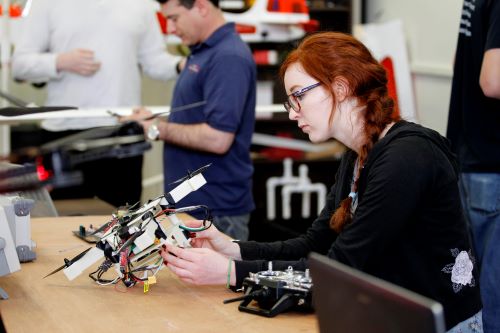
[(164, 211)]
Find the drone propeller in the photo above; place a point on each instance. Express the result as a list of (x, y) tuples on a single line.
[(12, 111), (177, 109), (191, 174), (68, 262), (119, 213), (102, 227)]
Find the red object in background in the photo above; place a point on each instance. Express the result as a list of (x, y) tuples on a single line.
[(310, 26), (163, 22), (245, 28), (14, 10), (42, 173), (391, 83), (287, 6), (265, 57), (279, 154)]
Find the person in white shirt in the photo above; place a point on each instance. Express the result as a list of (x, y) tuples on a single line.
[(91, 54)]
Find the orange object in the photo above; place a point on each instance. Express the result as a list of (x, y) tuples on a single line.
[(287, 6), (14, 10)]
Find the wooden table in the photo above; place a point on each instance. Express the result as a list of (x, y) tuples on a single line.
[(55, 304), (82, 206)]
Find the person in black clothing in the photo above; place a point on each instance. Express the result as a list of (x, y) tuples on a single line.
[(394, 211), (474, 133)]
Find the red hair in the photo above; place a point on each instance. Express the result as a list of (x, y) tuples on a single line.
[(328, 56)]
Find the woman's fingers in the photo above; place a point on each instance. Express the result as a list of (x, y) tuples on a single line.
[(193, 223), (182, 273), (177, 254)]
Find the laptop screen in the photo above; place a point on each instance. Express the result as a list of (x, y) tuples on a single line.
[(348, 300)]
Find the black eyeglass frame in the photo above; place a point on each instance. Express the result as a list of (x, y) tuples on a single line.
[(295, 105)]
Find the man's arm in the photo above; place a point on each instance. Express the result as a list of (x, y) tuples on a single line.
[(154, 59), (35, 61), (201, 137), (32, 60), (78, 61), (489, 79)]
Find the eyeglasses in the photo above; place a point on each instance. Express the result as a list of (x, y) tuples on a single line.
[(292, 102)]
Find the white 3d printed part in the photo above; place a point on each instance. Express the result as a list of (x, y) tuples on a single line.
[(187, 187), (85, 262)]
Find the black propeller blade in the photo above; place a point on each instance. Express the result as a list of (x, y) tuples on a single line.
[(177, 109), (191, 174), (12, 111), (68, 262)]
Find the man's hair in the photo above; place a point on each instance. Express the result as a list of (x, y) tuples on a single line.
[(190, 3)]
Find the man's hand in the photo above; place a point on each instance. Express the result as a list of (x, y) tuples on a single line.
[(141, 116), (138, 114), (79, 61)]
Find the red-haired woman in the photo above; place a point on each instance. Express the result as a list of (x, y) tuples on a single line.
[(394, 211)]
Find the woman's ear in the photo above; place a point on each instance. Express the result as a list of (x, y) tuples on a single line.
[(341, 89)]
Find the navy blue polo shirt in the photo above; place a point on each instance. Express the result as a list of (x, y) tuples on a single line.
[(222, 72)]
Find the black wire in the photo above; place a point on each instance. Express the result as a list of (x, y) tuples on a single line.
[(103, 268)]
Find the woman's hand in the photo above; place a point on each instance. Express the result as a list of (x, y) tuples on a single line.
[(199, 266), (212, 238)]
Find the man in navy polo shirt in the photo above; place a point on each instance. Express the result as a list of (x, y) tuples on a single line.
[(220, 72)]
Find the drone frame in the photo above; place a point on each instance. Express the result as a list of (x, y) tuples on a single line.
[(131, 240)]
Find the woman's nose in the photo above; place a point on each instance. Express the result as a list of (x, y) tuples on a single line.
[(292, 115)]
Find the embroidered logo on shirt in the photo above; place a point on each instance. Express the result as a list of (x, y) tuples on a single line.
[(461, 270), (194, 68)]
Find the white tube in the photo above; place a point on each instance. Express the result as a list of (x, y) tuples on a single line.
[(274, 182), (5, 46), (305, 189), (306, 196)]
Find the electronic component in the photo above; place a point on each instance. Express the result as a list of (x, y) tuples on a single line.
[(88, 234), (275, 292), (17, 211), (16, 245)]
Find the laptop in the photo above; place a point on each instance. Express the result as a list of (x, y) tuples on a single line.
[(350, 301)]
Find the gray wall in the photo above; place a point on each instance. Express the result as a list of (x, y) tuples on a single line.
[(431, 30)]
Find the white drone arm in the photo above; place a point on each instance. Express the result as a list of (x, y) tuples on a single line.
[(187, 186), (85, 262)]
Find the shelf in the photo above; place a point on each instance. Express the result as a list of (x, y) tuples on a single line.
[(340, 9), (331, 15)]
